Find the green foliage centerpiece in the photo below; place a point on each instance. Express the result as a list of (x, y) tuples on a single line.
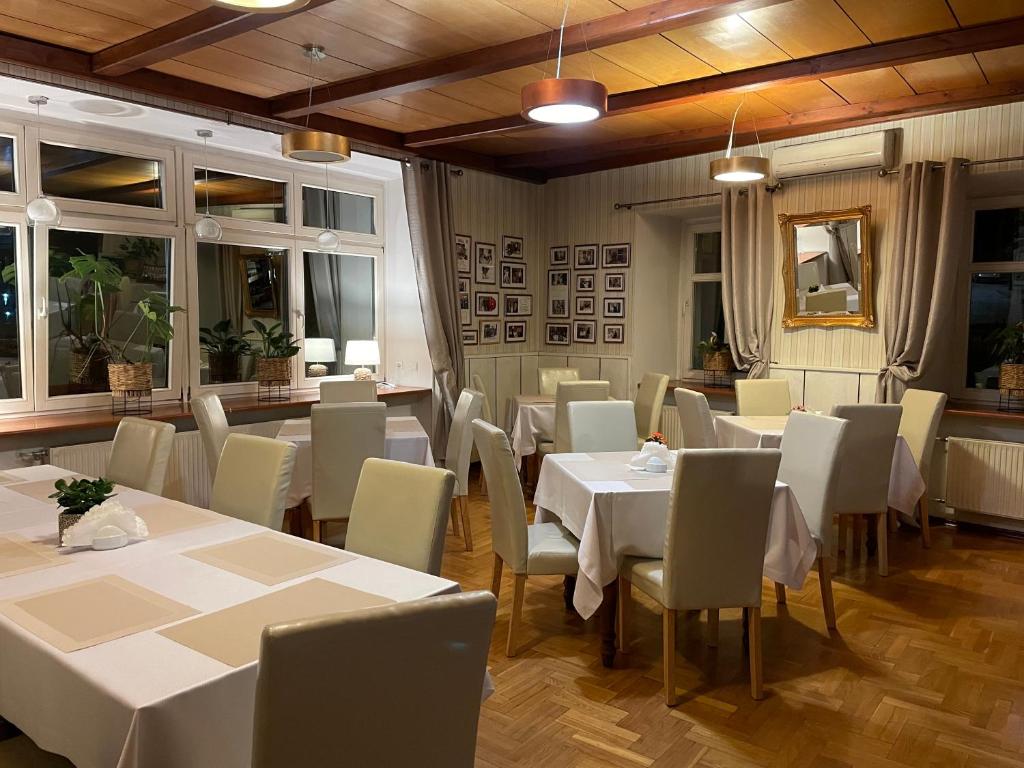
[(78, 497)]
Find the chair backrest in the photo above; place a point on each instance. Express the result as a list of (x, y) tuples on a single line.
[(763, 397), (866, 456), (399, 514), (571, 392), (549, 378), (596, 426), (922, 412), (485, 411), (346, 391), (811, 448), (213, 427), (253, 478), (140, 453), (326, 687), (344, 435), (508, 508), (650, 397), (460, 438), (718, 527), (695, 419)]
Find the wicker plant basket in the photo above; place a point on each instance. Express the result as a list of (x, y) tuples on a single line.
[(133, 378), (224, 367), (718, 361), (1011, 376), (64, 521), (274, 371), (88, 372)]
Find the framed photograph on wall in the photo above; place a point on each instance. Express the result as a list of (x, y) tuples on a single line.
[(518, 304), (585, 256), (615, 282), (584, 331), (486, 266), (558, 256), (513, 275), (469, 337), (463, 247), (512, 247), (617, 255), (465, 312), (485, 304), (515, 331), (585, 305), (614, 333), (558, 293), (490, 331), (614, 307), (584, 283), (557, 333)]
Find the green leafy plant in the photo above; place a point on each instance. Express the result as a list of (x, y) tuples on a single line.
[(712, 344), (86, 313), (79, 496), (1009, 344), (222, 339), (155, 319), (274, 342)]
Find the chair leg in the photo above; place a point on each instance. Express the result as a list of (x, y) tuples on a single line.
[(926, 528), (317, 530), (825, 581), (883, 545), (496, 576), (455, 515), (512, 647), (625, 613), (780, 593), (668, 650), (712, 634), (467, 531), (754, 641)]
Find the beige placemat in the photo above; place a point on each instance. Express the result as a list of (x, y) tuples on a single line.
[(166, 516), (405, 425), (6, 478), (270, 558), (294, 429), (233, 634), (92, 612), (19, 555), (40, 490)]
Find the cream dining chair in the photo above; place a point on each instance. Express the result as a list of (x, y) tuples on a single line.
[(763, 397), (695, 419), (919, 426), (595, 427), (549, 378), (398, 685), (541, 549), (399, 514), (570, 392), (344, 435), (208, 412), (457, 458), (346, 391), (140, 454), (650, 398), (253, 478), (714, 549), (811, 449)]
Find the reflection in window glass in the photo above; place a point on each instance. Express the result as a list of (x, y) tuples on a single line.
[(999, 235), (707, 252), (7, 164), (708, 317), (93, 306), (343, 211), (100, 177), (997, 302), (10, 351), (237, 284), (241, 197), (340, 301)]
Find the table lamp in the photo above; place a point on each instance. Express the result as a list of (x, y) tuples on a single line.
[(319, 351), (362, 353)]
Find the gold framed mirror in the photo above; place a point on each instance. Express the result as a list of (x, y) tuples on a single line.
[(260, 284), (827, 268)]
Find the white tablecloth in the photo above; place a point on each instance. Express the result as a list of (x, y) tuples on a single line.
[(533, 419), (615, 511), (404, 440), (906, 485), (145, 701)]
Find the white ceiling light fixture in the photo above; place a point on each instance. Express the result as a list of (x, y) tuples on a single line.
[(42, 210), (327, 241), (564, 100), (740, 168), (262, 6), (207, 227), (315, 146)]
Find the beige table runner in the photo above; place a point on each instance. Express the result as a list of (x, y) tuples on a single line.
[(232, 635), (92, 612), (40, 490), (270, 558), (6, 478), (166, 516), (19, 555)]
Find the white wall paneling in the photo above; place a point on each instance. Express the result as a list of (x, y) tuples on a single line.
[(795, 377), (615, 370), (589, 367), (507, 385), (528, 384), (823, 389)]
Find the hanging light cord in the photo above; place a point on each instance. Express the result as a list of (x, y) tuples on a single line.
[(206, 172), (312, 61), (327, 199), (561, 36)]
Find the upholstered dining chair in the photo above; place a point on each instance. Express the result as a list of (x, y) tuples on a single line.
[(344, 436), (457, 458), (348, 391), (811, 451), (763, 397), (318, 707), (208, 412), (570, 392), (596, 426), (399, 514), (867, 453), (140, 454), (650, 398), (253, 478), (549, 378), (919, 425), (528, 550), (695, 419), (714, 549), (487, 415)]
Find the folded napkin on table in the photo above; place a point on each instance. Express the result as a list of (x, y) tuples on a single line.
[(109, 513), (650, 450)]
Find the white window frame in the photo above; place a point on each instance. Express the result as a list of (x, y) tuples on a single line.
[(15, 199), (25, 313), (341, 182), (176, 363), (688, 277)]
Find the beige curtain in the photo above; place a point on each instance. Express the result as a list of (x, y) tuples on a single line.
[(921, 275), (748, 265), (429, 204)]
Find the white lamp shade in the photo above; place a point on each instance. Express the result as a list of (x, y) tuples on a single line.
[(320, 351), (362, 352)]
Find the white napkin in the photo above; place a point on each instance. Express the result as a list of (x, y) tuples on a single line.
[(112, 513), (650, 450)]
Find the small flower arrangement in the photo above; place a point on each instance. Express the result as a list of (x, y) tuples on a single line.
[(658, 438)]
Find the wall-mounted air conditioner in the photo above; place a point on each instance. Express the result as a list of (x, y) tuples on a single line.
[(848, 153)]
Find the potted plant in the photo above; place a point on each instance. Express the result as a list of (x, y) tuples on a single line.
[(131, 374), (224, 348), (78, 497), (273, 354), (1010, 348), (717, 355)]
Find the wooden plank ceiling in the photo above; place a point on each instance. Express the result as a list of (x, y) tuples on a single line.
[(677, 69)]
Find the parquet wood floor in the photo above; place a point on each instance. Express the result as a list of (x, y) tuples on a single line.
[(926, 669)]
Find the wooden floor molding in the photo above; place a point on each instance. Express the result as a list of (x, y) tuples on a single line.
[(926, 668)]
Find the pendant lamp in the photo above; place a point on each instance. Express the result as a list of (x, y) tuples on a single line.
[(327, 241), (206, 227), (740, 168), (262, 6), (314, 146), (42, 210)]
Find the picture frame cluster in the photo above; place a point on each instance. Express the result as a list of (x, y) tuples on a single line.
[(573, 298), (487, 313)]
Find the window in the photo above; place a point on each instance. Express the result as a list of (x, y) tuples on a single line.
[(341, 211), (7, 175), (11, 384), (242, 197), (100, 177), (702, 303), (340, 301)]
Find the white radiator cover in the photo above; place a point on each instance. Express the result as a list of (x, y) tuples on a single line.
[(985, 476)]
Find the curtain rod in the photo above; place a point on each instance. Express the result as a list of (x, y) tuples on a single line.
[(963, 164), (629, 206)]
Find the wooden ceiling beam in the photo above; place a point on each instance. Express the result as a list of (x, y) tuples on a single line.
[(646, 20), (931, 46)]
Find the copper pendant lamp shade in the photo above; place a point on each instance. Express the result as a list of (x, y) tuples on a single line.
[(315, 147), (564, 100), (740, 168), (262, 6)]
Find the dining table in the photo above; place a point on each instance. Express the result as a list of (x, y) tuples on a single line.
[(533, 420), (146, 656)]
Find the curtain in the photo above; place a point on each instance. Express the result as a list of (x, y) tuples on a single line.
[(748, 264), (325, 273), (429, 204), (921, 278), (842, 254), (231, 300)]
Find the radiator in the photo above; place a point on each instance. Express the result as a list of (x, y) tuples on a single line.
[(670, 427), (985, 476)]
